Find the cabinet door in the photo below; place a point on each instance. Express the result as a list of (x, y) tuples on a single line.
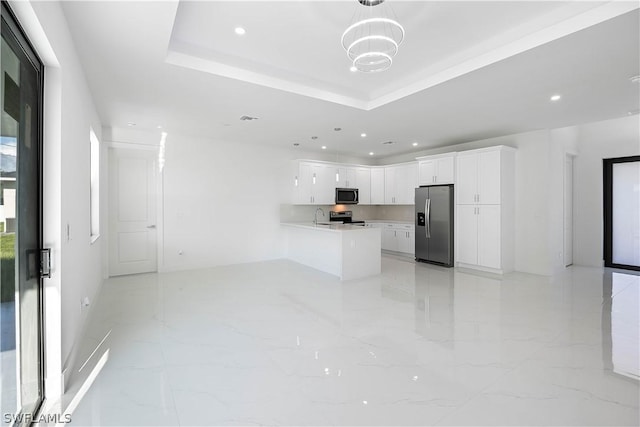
[(467, 234), (377, 186), (466, 179), (407, 191), (444, 170), (489, 178), (340, 177), (390, 178), (304, 193), (406, 240), (363, 184), (389, 241), (351, 178), (426, 172), (412, 242), (489, 236), (324, 189)]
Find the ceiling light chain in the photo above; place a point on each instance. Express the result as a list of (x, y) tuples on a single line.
[(372, 41)]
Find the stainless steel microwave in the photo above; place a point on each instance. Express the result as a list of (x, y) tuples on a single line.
[(346, 196)]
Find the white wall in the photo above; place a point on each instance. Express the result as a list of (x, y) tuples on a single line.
[(597, 141), (222, 202), (69, 113)]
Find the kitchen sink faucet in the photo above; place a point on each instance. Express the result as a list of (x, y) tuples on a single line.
[(315, 217)]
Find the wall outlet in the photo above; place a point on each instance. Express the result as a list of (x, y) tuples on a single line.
[(84, 303)]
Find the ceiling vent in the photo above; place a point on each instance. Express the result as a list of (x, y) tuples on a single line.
[(244, 118), (388, 143)]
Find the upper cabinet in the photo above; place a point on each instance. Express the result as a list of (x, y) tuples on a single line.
[(363, 184), (438, 169), (346, 177), (478, 176), (377, 186), (400, 182), (314, 184)]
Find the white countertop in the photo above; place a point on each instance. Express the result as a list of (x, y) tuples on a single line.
[(325, 227), (388, 221)]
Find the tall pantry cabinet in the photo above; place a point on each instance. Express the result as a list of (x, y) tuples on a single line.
[(485, 209)]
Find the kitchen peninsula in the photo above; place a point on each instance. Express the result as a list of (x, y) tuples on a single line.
[(346, 251)]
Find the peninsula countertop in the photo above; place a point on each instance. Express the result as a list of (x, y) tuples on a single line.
[(325, 226)]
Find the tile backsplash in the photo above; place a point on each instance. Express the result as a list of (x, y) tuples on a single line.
[(305, 213)]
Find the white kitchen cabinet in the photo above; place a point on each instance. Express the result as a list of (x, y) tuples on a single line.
[(485, 209), (389, 240), (436, 169), (489, 236), (398, 238), (377, 185), (481, 233), (400, 182), (346, 177), (478, 177), (314, 184), (467, 229), (363, 184)]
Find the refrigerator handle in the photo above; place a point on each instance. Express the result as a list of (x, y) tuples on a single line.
[(427, 212)]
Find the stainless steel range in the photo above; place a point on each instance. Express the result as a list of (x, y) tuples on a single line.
[(345, 217)]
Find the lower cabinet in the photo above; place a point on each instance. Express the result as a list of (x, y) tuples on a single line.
[(398, 238), (480, 229)]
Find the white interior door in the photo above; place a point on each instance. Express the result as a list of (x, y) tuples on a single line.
[(568, 210), (132, 211)]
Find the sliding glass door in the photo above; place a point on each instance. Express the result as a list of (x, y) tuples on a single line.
[(21, 341), (622, 212)]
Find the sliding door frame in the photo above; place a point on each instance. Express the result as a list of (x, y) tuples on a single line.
[(13, 28), (607, 169)]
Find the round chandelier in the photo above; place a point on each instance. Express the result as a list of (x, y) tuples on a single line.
[(373, 39)]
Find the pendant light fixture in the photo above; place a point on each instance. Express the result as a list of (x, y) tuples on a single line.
[(373, 39)]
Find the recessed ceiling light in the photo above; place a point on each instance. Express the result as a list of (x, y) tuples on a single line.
[(324, 147), (353, 69), (635, 79), (364, 135), (555, 97), (240, 31), (159, 126), (415, 144), (131, 124), (371, 153)]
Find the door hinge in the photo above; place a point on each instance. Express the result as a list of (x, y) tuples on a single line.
[(45, 263)]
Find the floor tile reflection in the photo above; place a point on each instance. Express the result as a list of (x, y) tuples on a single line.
[(278, 343)]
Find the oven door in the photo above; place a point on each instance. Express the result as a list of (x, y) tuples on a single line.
[(346, 196)]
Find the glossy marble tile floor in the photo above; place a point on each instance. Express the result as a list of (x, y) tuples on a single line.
[(277, 343)]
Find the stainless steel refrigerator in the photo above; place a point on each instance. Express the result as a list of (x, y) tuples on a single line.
[(434, 224)]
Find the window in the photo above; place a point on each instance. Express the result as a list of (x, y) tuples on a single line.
[(95, 186)]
